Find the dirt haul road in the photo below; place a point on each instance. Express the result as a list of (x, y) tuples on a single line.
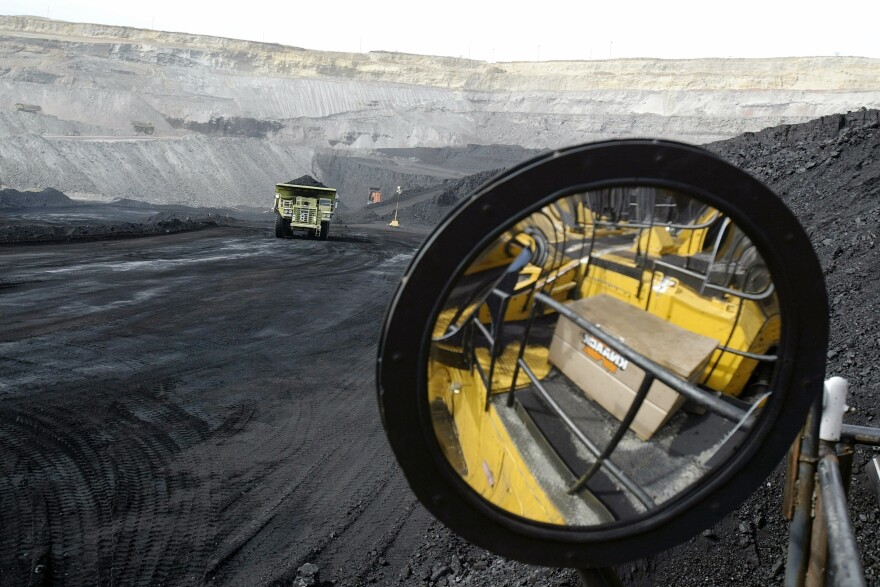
[(199, 408)]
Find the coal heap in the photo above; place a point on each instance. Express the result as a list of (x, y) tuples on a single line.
[(47, 197), (307, 180)]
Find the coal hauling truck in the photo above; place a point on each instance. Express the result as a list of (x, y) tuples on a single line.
[(304, 204)]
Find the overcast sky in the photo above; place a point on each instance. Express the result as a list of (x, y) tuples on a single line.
[(506, 31)]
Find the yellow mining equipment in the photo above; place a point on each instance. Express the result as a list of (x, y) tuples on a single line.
[(306, 208), (663, 254), (706, 278), (479, 446), (657, 273)]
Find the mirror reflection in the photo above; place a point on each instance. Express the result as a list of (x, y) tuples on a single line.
[(603, 355)]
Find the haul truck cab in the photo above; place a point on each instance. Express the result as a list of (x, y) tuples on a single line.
[(303, 207)]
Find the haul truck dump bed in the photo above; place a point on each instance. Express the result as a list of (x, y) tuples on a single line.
[(303, 207)]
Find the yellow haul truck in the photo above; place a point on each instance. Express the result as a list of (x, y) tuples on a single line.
[(303, 207)]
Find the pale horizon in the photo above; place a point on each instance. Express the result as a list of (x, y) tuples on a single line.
[(485, 32)]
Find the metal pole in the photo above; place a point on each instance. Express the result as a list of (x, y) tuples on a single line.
[(846, 566), (801, 523), (860, 434), (831, 525), (818, 559), (817, 571)]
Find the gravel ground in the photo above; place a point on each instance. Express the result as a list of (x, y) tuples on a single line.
[(197, 408)]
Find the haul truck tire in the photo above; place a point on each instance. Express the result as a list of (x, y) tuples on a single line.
[(282, 227), (325, 229)]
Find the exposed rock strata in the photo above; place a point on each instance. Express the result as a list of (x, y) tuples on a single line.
[(278, 108)]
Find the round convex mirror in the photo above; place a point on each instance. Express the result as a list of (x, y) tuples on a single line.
[(547, 361), (601, 352)]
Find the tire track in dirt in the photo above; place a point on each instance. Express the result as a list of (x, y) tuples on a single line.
[(346, 483), (97, 472), (380, 518), (69, 485), (247, 542), (222, 431), (364, 488)]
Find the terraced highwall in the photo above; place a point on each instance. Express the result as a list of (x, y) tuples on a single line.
[(94, 80)]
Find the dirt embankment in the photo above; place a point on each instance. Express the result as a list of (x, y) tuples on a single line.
[(169, 117), (10, 198), (95, 230)]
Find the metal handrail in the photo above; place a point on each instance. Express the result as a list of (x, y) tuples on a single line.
[(609, 223), (853, 434), (748, 355), (733, 292), (846, 568), (616, 472), (831, 531)]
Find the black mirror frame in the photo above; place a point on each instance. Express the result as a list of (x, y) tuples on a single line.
[(497, 205)]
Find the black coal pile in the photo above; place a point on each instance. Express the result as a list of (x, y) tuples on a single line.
[(97, 229), (828, 172), (307, 180), (10, 198)]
